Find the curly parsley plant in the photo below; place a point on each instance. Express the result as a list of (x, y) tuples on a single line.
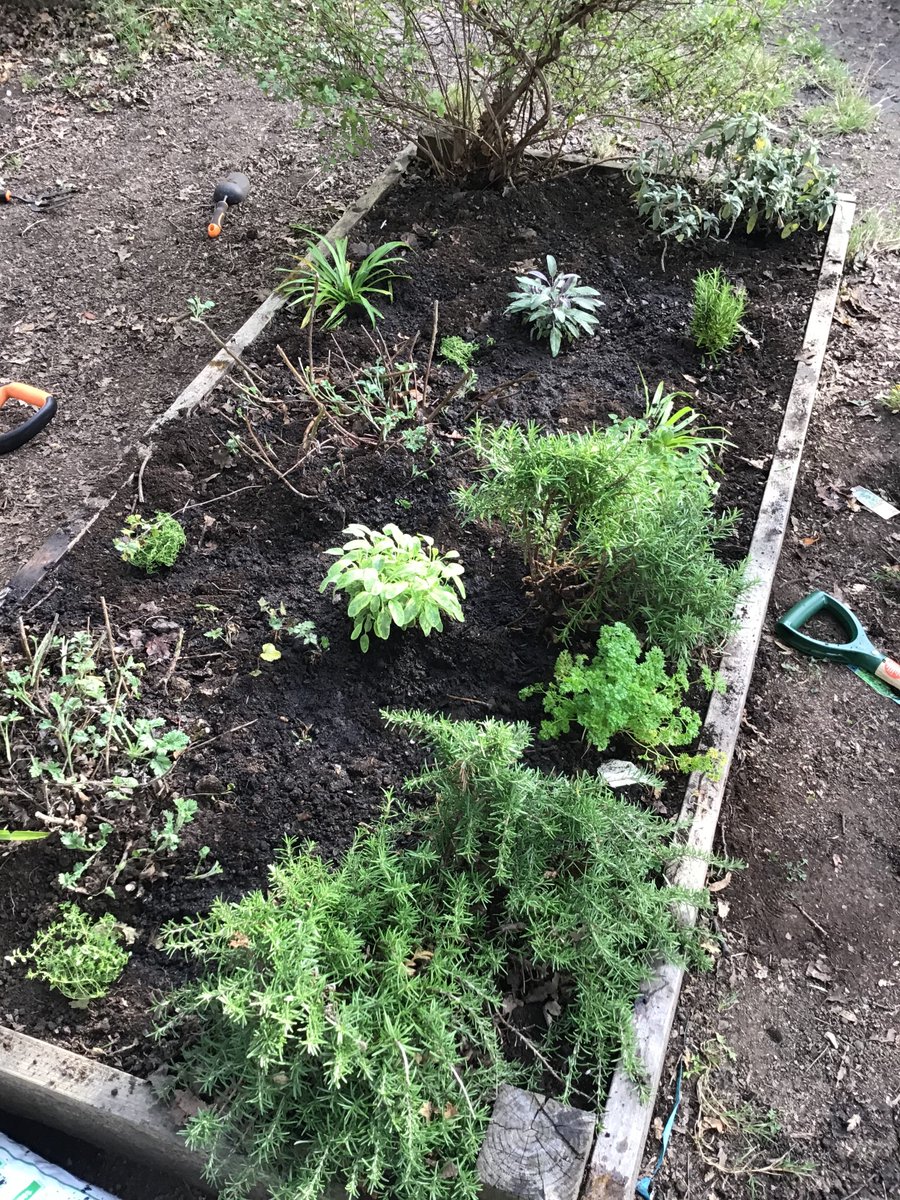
[(617, 691), (556, 305), (395, 578)]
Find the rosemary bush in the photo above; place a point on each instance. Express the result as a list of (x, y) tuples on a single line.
[(718, 310), (615, 523), (346, 1028)]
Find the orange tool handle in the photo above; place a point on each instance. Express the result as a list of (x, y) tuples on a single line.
[(24, 392), (214, 228)]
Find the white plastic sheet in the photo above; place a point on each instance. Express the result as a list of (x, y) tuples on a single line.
[(27, 1176)]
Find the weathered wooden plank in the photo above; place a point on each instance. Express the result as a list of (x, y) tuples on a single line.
[(534, 1148), (99, 1104), (625, 1121)]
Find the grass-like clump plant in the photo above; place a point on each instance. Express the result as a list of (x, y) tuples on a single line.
[(891, 399), (150, 543), (717, 312), (347, 1025), (615, 523), (77, 956), (325, 279), (875, 231), (849, 110), (556, 306), (397, 579)]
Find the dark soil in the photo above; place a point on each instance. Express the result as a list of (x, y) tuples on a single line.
[(298, 747)]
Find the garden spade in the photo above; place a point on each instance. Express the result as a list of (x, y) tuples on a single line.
[(857, 651), (229, 191)]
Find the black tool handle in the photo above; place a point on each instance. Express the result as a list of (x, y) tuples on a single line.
[(14, 438)]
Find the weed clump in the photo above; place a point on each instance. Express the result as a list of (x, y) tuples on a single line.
[(718, 310)]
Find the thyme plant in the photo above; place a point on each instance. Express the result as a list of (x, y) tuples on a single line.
[(150, 544), (347, 1025), (77, 956)]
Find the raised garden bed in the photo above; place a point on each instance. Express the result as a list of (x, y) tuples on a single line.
[(297, 747)]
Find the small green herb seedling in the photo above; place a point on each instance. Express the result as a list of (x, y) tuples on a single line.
[(556, 306), (394, 578), (303, 631), (326, 279), (76, 956), (150, 545), (891, 399), (22, 835), (718, 309)]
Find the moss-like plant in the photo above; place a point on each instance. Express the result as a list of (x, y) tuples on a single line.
[(76, 956), (150, 544)]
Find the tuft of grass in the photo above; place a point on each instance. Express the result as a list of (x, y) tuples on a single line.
[(876, 231), (718, 309), (848, 111), (891, 399)]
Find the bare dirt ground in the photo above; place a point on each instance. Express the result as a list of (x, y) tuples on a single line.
[(93, 296), (792, 1044)]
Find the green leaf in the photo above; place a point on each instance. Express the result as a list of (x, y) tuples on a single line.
[(270, 652)]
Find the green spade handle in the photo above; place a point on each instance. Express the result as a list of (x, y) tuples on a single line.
[(856, 651)]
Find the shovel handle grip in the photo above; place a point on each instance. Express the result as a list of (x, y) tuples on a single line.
[(45, 410), (889, 671)]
